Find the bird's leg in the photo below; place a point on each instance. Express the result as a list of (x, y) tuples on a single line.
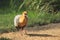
[(24, 31), (18, 28), (21, 31)]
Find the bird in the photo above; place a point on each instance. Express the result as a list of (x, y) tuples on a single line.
[(20, 21)]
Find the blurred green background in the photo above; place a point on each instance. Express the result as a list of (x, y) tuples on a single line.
[(40, 12)]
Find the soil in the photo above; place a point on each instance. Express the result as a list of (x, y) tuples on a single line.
[(45, 32)]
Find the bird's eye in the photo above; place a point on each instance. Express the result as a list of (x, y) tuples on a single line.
[(25, 14)]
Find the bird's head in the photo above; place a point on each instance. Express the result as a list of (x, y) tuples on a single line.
[(25, 13)]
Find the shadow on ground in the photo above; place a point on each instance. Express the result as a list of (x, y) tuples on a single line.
[(42, 35)]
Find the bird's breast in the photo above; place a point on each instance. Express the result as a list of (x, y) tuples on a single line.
[(23, 21)]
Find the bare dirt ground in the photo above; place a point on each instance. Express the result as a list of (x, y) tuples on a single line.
[(45, 32)]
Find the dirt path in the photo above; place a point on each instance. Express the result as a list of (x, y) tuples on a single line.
[(46, 32)]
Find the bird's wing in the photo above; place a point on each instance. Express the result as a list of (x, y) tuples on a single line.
[(16, 20)]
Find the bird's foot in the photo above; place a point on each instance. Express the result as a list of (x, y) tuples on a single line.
[(24, 32)]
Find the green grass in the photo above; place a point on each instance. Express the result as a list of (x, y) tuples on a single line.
[(6, 19), (2, 38), (43, 18)]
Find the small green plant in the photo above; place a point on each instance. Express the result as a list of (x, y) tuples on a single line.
[(2, 38)]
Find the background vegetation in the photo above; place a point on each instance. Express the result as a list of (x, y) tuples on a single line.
[(2, 38), (40, 12)]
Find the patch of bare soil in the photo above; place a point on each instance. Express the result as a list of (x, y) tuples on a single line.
[(46, 32)]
